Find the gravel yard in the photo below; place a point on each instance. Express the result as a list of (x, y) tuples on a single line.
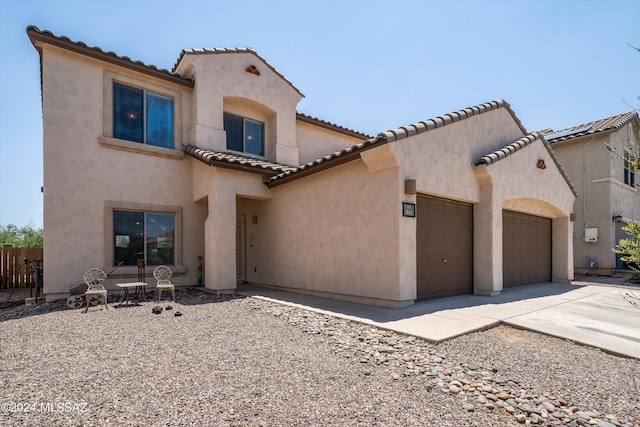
[(249, 362)]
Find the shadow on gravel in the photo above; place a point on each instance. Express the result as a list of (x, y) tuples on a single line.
[(12, 305)]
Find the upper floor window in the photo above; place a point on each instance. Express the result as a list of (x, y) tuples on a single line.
[(142, 116), (629, 170), (244, 134)]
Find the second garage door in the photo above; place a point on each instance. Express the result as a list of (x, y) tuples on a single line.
[(444, 248), (526, 248)]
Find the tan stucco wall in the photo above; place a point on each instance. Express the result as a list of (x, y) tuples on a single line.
[(598, 176), (517, 184), (220, 189), (441, 162), (85, 170), (222, 83), (315, 142), (338, 233), (335, 233), (349, 217)]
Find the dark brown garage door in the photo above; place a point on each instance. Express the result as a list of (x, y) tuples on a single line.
[(526, 248), (445, 248)]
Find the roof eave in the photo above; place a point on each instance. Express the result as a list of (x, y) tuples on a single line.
[(234, 166), (330, 126), (36, 36), (313, 170)]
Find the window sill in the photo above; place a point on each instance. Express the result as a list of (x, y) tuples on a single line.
[(245, 154), (131, 271), (137, 147)]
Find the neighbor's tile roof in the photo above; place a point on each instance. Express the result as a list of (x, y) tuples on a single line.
[(210, 51), (36, 34), (529, 139), (608, 124), (234, 161), (353, 152)]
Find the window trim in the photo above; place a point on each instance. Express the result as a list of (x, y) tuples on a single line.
[(244, 121), (109, 250), (629, 172), (107, 138)]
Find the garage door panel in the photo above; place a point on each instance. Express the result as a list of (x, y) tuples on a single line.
[(526, 249), (444, 248)]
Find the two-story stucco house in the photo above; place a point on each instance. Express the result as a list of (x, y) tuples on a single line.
[(212, 160), (596, 157)]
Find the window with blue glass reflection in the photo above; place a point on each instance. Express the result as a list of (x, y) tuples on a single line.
[(142, 116)]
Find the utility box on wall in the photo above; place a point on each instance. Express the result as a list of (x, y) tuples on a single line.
[(590, 235)]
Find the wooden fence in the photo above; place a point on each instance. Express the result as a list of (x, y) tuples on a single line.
[(13, 272)]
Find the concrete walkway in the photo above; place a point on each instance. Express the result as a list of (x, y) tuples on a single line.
[(594, 315)]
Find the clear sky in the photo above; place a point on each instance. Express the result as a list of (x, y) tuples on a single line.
[(367, 65)]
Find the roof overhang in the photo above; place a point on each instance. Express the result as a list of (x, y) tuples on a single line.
[(39, 37)]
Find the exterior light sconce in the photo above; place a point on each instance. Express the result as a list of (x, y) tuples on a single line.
[(617, 218), (409, 209), (541, 164), (410, 187)]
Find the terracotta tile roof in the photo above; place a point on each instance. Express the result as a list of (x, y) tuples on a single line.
[(353, 152), (331, 126), (234, 161), (529, 139), (608, 124), (209, 51), (35, 34)]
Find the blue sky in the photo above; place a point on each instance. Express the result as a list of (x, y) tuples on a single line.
[(367, 65)]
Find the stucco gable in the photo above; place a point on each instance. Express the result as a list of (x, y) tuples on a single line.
[(515, 146), (220, 51), (353, 152)]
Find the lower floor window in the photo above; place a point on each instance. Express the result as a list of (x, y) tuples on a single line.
[(143, 235)]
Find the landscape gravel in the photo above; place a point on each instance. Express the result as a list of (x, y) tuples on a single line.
[(232, 361)]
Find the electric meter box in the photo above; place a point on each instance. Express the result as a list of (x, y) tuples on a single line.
[(590, 235)]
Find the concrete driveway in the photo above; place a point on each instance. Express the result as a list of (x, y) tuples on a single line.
[(595, 315)]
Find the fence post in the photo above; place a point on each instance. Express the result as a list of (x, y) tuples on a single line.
[(13, 272), (4, 265)]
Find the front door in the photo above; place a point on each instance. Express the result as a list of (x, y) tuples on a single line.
[(240, 248)]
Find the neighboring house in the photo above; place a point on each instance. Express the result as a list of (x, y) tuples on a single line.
[(211, 159), (596, 157)]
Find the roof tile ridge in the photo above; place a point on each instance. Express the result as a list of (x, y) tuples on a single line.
[(443, 120)]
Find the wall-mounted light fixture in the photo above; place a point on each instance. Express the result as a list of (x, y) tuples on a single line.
[(409, 209), (541, 164), (617, 218), (410, 187)]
